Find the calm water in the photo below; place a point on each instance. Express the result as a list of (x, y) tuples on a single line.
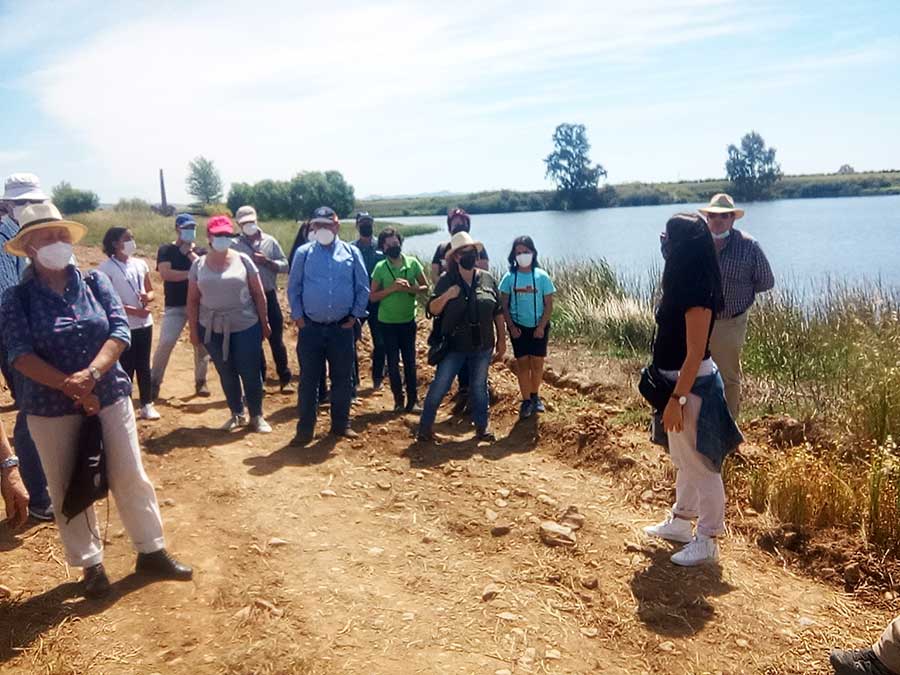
[(805, 239)]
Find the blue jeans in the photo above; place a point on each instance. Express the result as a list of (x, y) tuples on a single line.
[(317, 344), (30, 465), (242, 367), (476, 365)]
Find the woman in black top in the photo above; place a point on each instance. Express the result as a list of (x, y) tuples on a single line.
[(471, 319), (700, 429)]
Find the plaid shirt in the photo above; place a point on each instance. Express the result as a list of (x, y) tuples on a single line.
[(745, 272)]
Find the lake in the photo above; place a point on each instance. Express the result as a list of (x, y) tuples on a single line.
[(851, 239)]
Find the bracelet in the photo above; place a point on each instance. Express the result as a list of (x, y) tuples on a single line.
[(9, 463)]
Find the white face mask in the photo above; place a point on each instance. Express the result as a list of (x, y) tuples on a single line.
[(310, 236), (524, 259), (324, 236), (187, 235), (17, 211), (54, 256), (250, 229), (221, 243), (129, 247), (721, 235)]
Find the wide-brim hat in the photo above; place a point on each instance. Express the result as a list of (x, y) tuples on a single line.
[(461, 240), (41, 217), (23, 186), (722, 203)]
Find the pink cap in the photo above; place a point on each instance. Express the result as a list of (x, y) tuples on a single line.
[(220, 225)]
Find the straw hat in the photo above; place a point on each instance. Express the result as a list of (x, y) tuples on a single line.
[(461, 240), (722, 203), (40, 217)]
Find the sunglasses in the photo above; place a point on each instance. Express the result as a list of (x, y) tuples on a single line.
[(720, 216)]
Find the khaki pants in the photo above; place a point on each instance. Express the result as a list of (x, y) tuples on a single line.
[(887, 649), (725, 346)]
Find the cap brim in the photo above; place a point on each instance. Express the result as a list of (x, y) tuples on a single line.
[(323, 221), (14, 245), (246, 219), (32, 194)]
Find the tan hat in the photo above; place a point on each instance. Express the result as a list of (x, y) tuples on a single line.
[(245, 214), (461, 240), (41, 217), (722, 203)]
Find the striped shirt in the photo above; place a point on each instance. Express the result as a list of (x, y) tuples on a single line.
[(10, 266), (745, 272)]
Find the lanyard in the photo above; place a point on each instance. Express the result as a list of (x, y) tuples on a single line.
[(403, 268), (533, 295)]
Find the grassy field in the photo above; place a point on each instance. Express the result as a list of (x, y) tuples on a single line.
[(638, 194), (150, 230), (829, 357)]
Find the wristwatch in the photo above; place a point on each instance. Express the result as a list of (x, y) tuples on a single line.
[(9, 463), (682, 400), (96, 374)]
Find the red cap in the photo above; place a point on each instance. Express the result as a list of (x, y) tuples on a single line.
[(220, 225)]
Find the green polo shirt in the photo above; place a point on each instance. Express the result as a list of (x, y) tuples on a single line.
[(398, 307)]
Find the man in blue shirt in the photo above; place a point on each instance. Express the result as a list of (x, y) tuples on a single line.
[(20, 190), (328, 290)]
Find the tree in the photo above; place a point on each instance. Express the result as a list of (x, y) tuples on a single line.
[(846, 170), (752, 168), (296, 198), (70, 200), (569, 165), (204, 181)]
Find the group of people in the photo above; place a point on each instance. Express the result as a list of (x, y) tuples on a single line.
[(73, 341)]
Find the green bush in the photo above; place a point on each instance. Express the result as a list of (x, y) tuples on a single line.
[(296, 198), (133, 204), (70, 200)]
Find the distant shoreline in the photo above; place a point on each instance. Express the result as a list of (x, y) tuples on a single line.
[(813, 186)]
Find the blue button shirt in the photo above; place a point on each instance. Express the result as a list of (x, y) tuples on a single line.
[(328, 283), (11, 266), (67, 331)]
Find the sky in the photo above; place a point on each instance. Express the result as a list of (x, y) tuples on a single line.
[(410, 97)]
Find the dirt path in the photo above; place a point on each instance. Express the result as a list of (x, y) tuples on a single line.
[(377, 556)]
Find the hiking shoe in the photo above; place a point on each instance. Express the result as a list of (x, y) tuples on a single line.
[(301, 439), (538, 404), (259, 425), (96, 583), (201, 389), (425, 436), (44, 514), (412, 406), (234, 422), (672, 529), (344, 433), (485, 435), (850, 662), (701, 551), (287, 388), (161, 564), (526, 409), (399, 406), (148, 412)]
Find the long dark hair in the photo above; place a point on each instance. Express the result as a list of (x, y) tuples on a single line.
[(691, 262), (111, 238), (528, 243), (299, 240)]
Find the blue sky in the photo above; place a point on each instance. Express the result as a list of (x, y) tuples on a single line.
[(407, 97)]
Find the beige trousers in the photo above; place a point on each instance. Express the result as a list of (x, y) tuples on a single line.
[(725, 346), (887, 649), (55, 438)]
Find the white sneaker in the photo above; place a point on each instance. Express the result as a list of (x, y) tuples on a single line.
[(701, 551), (148, 412), (672, 529), (234, 422), (259, 425)]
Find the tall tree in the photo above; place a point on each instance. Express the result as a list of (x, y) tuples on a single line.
[(204, 181), (752, 168), (570, 166)]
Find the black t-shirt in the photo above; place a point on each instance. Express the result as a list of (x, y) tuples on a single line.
[(469, 319), (670, 346), (175, 291), (440, 254)]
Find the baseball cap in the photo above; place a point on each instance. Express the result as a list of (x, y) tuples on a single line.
[(245, 214), (324, 214), (24, 186), (364, 217), (185, 220), (219, 225)]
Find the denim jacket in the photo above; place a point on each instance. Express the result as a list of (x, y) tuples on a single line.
[(717, 434)]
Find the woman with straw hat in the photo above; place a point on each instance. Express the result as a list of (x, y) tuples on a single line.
[(471, 322), (65, 331)]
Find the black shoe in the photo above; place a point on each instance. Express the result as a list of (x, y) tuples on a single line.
[(96, 583), (377, 385), (287, 388), (526, 409), (413, 407), (201, 389), (425, 436), (344, 433), (852, 662), (161, 564), (301, 439), (485, 435), (399, 405)]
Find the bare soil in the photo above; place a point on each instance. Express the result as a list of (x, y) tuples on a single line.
[(376, 555)]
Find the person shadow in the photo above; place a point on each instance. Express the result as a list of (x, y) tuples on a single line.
[(672, 600), (318, 452), (523, 437), (23, 623)]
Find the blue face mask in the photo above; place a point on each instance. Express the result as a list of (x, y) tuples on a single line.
[(187, 235)]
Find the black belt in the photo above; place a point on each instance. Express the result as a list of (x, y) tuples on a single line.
[(331, 323)]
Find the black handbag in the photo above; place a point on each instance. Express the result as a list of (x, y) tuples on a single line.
[(655, 387), (438, 345), (89, 480)]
